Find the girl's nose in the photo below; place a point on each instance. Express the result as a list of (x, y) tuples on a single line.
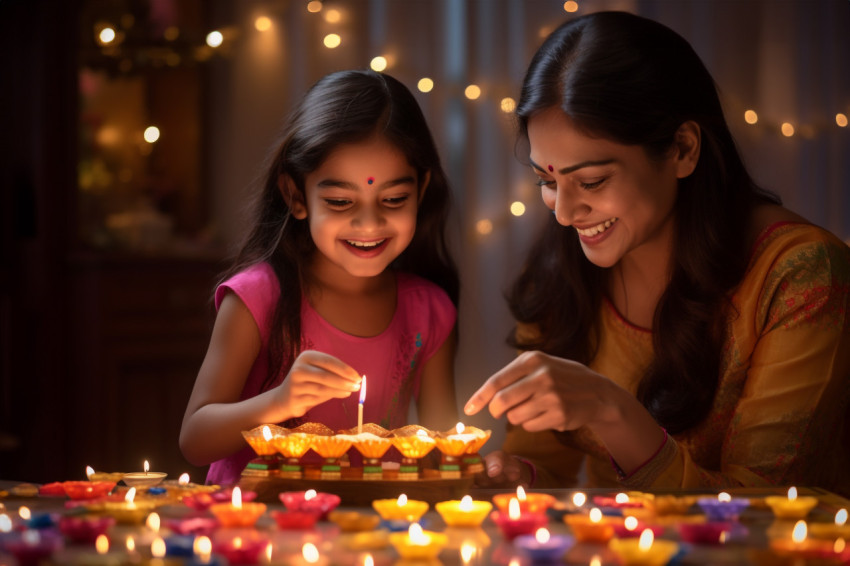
[(369, 217)]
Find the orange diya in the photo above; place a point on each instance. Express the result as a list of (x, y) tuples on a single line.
[(372, 441), (453, 445), (237, 513), (331, 448), (260, 439), (414, 442), (591, 527), (472, 461), (292, 446)]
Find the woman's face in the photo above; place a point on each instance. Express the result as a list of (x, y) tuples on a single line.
[(613, 195), (361, 204)]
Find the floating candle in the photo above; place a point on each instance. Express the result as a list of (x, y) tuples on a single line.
[(592, 527), (464, 513), (791, 507), (543, 546), (644, 551), (404, 509), (237, 513), (517, 522), (417, 544), (145, 478)]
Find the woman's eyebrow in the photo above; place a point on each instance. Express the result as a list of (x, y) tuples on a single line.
[(576, 167)]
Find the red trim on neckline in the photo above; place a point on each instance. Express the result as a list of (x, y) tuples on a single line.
[(622, 319)]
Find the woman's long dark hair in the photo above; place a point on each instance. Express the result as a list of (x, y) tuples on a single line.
[(341, 108), (634, 81)]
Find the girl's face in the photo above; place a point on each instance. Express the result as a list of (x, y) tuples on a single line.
[(613, 195), (361, 204)]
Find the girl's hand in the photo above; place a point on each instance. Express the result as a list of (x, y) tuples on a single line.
[(540, 392), (314, 378), (503, 470)]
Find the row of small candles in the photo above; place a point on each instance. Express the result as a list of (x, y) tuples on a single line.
[(522, 519)]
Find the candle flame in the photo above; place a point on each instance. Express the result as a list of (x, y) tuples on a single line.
[(513, 508), (131, 495), (631, 523), (542, 535), (792, 493), (153, 522), (646, 540), (236, 498), (310, 553), (520, 493), (268, 552), (417, 536), (147, 466), (5, 523), (267, 433), (839, 546), (422, 432), (158, 547), (621, 498), (723, 496), (402, 500), (310, 494), (465, 504), (183, 479), (595, 515), (130, 543), (514, 562), (89, 472), (467, 552), (25, 513), (841, 517), (237, 543), (202, 547), (459, 427), (101, 544), (363, 390), (368, 561), (800, 531), (595, 561), (579, 499)]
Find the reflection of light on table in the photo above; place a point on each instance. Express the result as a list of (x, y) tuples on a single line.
[(644, 551)]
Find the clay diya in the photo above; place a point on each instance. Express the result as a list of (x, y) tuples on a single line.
[(464, 513), (237, 513), (791, 507), (401, 509), (310, 501), (372, 442), (414, 442)]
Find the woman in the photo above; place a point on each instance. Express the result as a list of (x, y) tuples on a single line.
[(679, 328)]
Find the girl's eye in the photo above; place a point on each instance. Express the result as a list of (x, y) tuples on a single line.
[(591, 185), (337, 202), (396, 201)]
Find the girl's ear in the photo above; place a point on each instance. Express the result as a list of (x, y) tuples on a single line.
[(687, 145), (292, 196), (426, 178)]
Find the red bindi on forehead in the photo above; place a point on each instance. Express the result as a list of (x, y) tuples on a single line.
[(551, 168), (370, 180)]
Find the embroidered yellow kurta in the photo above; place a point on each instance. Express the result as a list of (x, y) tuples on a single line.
[(780, 416)]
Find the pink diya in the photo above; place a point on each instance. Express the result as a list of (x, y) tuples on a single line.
[(711, 532), (31, 547), (619, 501), (85, 528), (516, 522), (240, 549), (202, 501), (295, 520), (88, 489), (310, 501), (633, 527), (192, 525)]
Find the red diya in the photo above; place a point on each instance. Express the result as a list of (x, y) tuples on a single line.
[(240, 549), (516, 522), (203, 501), (711, 532), (414, 442), (54, 489), (85, 528), (633, 527), (192, 525), (295, 520), (87, 489), (310, 501)]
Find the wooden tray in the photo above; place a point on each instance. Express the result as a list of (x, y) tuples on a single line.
[(359, 492)]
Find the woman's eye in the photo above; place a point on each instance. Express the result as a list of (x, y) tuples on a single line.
[(592, 184), (545, 182)]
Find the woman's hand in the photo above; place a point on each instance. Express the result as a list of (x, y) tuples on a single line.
[(503, 470), (540, 392), (314, 378)]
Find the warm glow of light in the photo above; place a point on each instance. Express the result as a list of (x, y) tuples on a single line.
[(723, 496), (268, 552), (237, 542), (333, 16), (131, 495), (153, 522), (416, 536), (422, 433), (520, 493), (465, 504), (151, 135), (267, 433), (171, 33), (310, 494), (236, 498), (839, 546), (595, 561), (750, 117), (630, 523), (202, 547), (402, 500), (484, 226), (799, 533), (571, 6), (332, 41), (787, 129), (368, 560), (517, 208), (513, 508), (468, 552), (101, 544), (792, 493), (314, 6), (646, 540), (841, 120), (106, 36), (378, 63), (146, 466), (310, 553), (25, 512), (362, 390), (460, 427), (158, 547), (130, 544), (595, 515), (472, 92), (215, 39), (183, 479), (507, 105), (263, 23), (425, 84), (841, 517), (542, 535), (579, 499), (89, 472), (621, 498), (5, 523)]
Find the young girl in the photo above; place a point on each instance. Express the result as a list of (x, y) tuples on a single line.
[(345, 273)]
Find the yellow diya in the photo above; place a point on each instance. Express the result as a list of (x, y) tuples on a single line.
[(414, 442)]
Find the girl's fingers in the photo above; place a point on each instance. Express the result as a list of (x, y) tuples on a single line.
[(331, 364)]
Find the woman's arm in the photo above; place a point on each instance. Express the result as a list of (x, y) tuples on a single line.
[(437, 402)]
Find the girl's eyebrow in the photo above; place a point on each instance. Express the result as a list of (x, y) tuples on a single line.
[(576, 167), (339, 184)]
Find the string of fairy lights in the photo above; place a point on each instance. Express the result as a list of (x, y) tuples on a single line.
[(108, 36)]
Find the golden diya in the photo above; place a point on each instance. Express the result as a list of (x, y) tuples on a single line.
[(129, 511), (372, 441), (267, 462), (452, 446), (472, 462), (464, 513), (414, 442), (791, 507), (292, 445), (534, 502), (644, 550), (401, 509), (331, 447)]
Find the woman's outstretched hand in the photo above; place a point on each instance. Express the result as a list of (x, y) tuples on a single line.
[(314, 378), (541, 392)]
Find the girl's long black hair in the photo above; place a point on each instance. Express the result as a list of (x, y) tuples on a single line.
[(341, 108), (634, 81)]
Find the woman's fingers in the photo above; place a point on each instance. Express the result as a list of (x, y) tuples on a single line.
[(503, 378)]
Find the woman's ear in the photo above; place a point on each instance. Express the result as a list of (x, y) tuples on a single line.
[(687, 143), (426, 178), (292, 196)]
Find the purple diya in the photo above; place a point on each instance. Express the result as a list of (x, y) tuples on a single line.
[(85, 529), (543, 547), (723, 507)]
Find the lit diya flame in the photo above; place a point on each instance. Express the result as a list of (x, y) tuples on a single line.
[(89, 472), (724, 497), (147, 467), (5, 523), (130, 544), (310, 553), (25, 513), (158, 547), (841, 517), (267, 433), (579, 499), (368, 560), (153, 522), (236, 498), (417, 536), (792, 493), (621, 498), (839, 546), (131, 496), (520, 493), (467, 552), (596, 560), (798, 535), (402, 500), (101, 544), (513, 509), (465, 504), (183, 479), (310, 494), (595, 515), (459, 427), (268, 552), (631, 523), (542, 535), (646, 540), (202, 548)]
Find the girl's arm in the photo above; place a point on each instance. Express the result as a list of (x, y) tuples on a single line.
[(437, 403), (215, 416)]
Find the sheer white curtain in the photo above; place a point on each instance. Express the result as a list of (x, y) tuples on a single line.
[(785, 60)]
